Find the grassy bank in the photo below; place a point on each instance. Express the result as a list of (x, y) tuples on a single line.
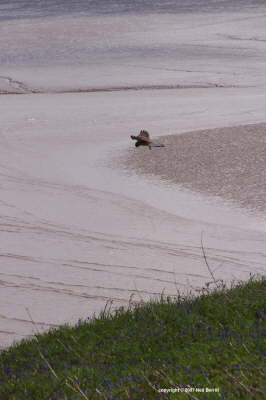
[(213, 342)]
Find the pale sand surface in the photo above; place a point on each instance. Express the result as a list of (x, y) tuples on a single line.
[(225, 162), (75, 232)]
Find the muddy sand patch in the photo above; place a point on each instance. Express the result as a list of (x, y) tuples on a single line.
[(225, 162)]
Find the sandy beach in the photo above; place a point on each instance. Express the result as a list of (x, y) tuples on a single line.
[(225, 162), (85, 217)]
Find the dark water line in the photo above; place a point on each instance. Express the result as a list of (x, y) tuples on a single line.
[(52, 8), (115, 89)]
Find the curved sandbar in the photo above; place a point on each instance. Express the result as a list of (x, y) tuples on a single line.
[(225, 162)]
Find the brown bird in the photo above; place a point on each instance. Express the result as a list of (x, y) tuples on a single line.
[(143, 139)]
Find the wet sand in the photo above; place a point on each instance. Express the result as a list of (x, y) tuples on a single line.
[(225, 162), (76, 233)]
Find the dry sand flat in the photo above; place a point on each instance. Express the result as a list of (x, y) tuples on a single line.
[(225, 162)]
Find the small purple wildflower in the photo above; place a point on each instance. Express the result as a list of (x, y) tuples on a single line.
[(260, 314)]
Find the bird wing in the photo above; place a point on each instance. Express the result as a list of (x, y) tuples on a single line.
[(143, 139), (144, 134)]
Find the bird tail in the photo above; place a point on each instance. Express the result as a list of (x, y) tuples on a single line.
[(156, 145)]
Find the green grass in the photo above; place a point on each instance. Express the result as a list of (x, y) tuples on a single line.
[(216, 340)]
